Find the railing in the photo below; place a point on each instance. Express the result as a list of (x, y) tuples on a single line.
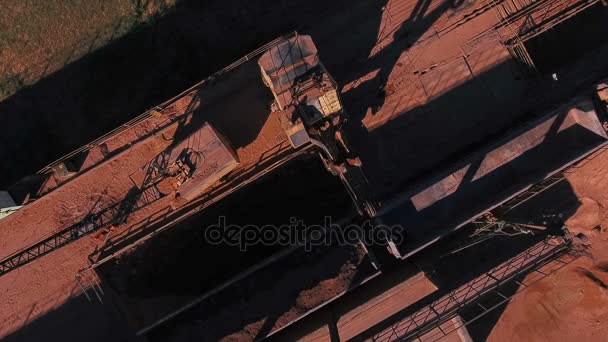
[(539, 16), (107, 217), (87, 282)]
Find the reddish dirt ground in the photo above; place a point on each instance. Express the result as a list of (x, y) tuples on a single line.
[(571, 304)]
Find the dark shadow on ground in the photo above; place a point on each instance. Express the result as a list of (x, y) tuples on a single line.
[(76, 320), (579, 34)]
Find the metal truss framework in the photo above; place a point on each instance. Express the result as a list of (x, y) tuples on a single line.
[(115, 214), (431, 322), (526, 19), (534, 17)]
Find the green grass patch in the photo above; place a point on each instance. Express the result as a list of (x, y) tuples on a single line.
[(38, 38)]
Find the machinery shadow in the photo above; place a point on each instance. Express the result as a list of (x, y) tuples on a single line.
[(107, 321), (383, 62)]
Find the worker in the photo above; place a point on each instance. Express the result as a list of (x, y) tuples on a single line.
[(104, 231), (356, 161)]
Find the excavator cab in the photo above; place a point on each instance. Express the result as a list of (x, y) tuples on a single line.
[(295, 75)]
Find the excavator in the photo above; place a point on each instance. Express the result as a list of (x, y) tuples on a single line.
[(311, 112)]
